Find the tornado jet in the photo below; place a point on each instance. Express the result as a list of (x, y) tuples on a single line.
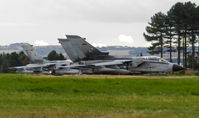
[(40, 65), (90, 60)]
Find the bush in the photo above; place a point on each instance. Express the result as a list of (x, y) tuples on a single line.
[(196, 73)]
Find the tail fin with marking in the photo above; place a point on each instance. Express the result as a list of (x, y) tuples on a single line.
[(29, 50), (77, 48)]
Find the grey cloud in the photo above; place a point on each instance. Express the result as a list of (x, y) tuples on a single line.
[(123, 11), (98, 20), (102, 10)]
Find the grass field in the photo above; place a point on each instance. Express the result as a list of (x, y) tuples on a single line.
[(88, 96)]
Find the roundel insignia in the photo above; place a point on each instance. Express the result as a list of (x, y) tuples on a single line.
[(84, 45)]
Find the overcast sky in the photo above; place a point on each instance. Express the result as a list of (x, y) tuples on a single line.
[(102, 22)]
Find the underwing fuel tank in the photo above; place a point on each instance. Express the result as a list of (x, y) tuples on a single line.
[(63, 71)]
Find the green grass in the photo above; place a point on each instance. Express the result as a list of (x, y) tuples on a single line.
[(70, 96)]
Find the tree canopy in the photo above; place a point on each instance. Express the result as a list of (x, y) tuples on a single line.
[(11, 60), (53, 55), (175, 30)]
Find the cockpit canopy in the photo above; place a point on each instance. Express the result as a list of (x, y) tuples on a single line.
[(155, 58)]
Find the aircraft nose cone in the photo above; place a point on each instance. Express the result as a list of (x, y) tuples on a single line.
[(177, 68)]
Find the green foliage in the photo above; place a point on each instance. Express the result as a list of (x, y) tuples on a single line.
[(11, 60), (53, 55), (155, 33), (182, 23), (191, 62), (196, 73)]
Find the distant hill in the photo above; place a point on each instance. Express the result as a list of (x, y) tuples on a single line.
[(44, 50), (118, 51)]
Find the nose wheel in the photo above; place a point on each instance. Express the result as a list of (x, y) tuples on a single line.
[(53, 72)]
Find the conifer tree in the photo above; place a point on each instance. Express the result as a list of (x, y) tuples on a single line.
[(155, 33)]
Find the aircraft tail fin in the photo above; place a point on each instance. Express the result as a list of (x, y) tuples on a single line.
[(77, 48), (29, 50)]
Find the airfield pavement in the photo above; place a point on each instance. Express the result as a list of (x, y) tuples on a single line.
[(104, 96)]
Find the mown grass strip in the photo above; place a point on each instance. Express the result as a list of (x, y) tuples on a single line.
[(40, 95)]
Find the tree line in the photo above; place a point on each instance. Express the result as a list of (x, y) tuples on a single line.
[(53, 55), (11, 60), (20, 59), (175, 31)]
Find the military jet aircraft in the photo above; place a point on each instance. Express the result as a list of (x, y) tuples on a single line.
[(90, 60), (40, 65)]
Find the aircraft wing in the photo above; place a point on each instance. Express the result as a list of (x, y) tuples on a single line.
[(18, 67), (32, 66), (110, 63), (100, 64)]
